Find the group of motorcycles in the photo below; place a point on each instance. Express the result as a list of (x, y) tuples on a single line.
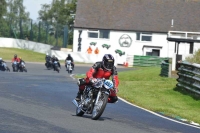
[(17, 67), (55, 65)]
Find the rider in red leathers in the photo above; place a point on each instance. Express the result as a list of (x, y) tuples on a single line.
[(15, 59), (103, 69)]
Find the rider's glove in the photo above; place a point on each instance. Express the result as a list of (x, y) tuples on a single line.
[(93, 80)]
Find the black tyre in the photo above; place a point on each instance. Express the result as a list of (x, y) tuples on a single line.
[(24, 69), (8, 69), (100, 107), (15, 69), (79, 112)]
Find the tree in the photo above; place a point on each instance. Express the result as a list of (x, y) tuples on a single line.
[(16, 18), (3, 6), (57, 15)]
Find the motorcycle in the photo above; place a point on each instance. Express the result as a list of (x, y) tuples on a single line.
[(15, 66), (22, 67), (68, 66), (56, 66), (94, 99), (4, 67), (49, 65)]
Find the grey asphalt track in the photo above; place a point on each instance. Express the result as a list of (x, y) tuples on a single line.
[(39, 101)]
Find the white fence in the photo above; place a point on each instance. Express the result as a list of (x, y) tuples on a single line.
[(24, 44), (44, 48)]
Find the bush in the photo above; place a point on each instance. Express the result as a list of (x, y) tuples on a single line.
[(195, 58)]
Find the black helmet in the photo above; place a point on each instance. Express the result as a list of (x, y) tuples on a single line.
[(15, 56), (69, 55), (108, 61)]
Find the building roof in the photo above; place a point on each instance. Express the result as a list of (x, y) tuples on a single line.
[(139, 15)]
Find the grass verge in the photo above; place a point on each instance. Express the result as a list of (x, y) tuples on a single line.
[(27, 55), (145, 88)]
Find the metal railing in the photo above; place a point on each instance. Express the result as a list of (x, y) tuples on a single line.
[(189, 77)]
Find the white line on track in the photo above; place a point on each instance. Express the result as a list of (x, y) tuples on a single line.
[(158, 114)]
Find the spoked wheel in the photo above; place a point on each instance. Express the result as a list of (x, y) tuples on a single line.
[(100, 107)]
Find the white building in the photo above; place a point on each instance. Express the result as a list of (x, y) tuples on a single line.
[(136, 27)]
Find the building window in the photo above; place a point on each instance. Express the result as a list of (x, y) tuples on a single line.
[(144, 36), (155, 52), (105, 34)]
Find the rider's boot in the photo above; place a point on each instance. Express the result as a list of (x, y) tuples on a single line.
[(78, 97)]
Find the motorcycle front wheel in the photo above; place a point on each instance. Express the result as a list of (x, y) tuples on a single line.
[(100, 107), (24, 69), (8, 69)]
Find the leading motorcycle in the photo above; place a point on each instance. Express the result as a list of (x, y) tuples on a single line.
[(94, 99), (49, 64), (4, 67), (68, 65)]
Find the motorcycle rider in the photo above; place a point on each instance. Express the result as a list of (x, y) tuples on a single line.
[(1, 62), (47, 58), (20, 61), (54, 58), (15, 59), (103, 69), (69, 57)]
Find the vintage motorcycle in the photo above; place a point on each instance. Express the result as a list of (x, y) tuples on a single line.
[(22, 67), (15, 66), (49, 65), (94, 98), (56, 66), (68, 65), (4, 67)]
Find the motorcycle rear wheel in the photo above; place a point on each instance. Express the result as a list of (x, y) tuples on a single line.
[(100, 107)]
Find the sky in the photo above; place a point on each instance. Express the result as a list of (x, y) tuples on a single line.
[(33, 6)]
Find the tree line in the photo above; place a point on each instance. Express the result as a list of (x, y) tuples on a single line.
[(54, 19)]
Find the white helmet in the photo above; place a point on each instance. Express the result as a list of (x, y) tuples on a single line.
[(47, 54), (0, 58)]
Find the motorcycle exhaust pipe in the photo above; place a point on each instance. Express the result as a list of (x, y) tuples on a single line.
[(75, 103)]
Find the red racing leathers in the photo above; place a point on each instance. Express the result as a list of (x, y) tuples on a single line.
[(16, 59), (98, 71)]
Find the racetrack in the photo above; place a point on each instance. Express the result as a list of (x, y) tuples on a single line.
[(40, 102)]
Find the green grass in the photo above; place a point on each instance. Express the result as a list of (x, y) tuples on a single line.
[(145, 88), (27, 55)]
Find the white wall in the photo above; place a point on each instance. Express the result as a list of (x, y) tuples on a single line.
[(79, 57), (158, 39), (25, 44)]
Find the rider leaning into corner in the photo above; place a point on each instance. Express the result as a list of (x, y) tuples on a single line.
[(15, 59), (54, 58), (47, 58), (103, 69), (20, 62), (69, 57)]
